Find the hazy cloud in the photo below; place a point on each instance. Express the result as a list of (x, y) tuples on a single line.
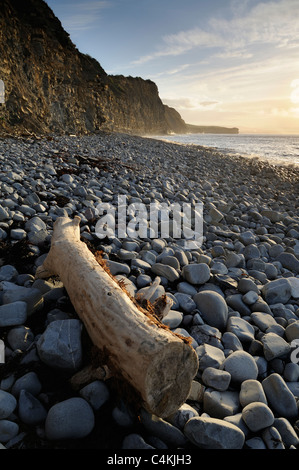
[(274, 23), (187, 103), (84, 15)]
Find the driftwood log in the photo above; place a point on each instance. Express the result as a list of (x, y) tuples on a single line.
[(157, 363)]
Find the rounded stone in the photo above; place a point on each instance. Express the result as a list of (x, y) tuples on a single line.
[(241, 328), (173, 319), (8, 273), (135, 441), (166, 271), (13, 314), (216, 378), (213, 308), (274, 346), (257, 416), (252, 391), (277, 291), (196, 273), (241, 366), (70, 419), (96, 394), (30, 409), (280, 397), (213, 433), (20, 337), (182, 415), (60, 344), (29, 382), (292, 331), (8, 404), (8, 430)]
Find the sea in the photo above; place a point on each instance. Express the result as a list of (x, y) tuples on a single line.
[(276, 149)]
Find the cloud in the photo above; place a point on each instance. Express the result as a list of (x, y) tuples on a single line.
[(189, 104), (274, 23), (83, 15), (208, 103)]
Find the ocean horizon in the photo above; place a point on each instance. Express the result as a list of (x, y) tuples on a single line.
[(278, 149)]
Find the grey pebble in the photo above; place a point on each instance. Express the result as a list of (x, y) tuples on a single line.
[(241, 366), (135, 441), (8, 430), (96, 394), (13, 314), (166, 271), (219, 404), (29, 382), (60, 344), (30, 409), (196, 273), (279, 396), (257, 416), (69, 419), (162, 429), (213, 308), (216, 378), (213, 433), (8, 404), (20, 337)]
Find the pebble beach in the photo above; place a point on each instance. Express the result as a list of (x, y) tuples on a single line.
[(236, 296)]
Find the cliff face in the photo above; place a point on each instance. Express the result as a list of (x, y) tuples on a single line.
[(50, 87)]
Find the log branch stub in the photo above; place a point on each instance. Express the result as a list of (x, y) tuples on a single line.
[(157, 363)]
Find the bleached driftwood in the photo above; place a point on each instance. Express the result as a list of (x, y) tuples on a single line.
[(157, 363)]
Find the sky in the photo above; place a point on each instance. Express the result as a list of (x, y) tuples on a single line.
[(232, 63)]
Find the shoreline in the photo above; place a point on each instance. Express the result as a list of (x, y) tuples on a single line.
[(274, 160), (246, 271)]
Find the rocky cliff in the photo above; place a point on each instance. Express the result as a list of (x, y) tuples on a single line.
[(50, 87)]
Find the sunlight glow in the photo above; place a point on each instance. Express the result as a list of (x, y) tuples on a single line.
[(295, 93)]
